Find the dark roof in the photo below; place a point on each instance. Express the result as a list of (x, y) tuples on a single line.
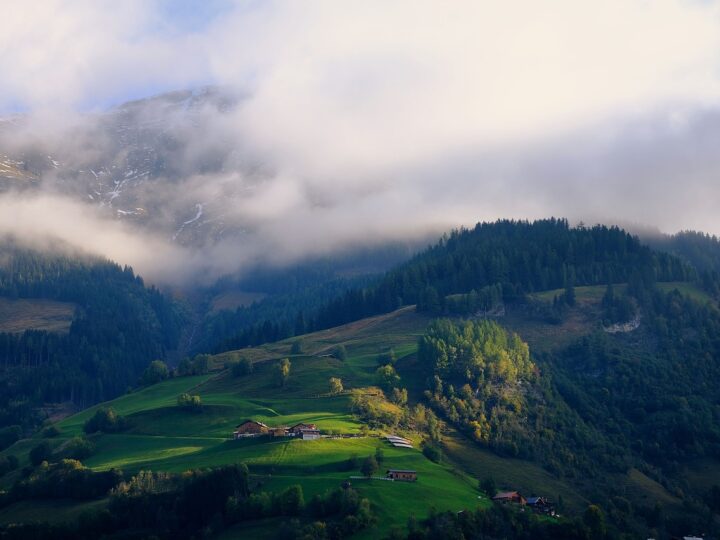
[(301, 424), (251, 422), (506, 495), (535, 500), (401, 471)]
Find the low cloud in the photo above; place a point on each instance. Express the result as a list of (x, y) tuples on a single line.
[(355, 123)]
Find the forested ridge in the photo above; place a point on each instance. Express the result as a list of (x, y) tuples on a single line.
[(502, 260), (120, 326), (517, 257)]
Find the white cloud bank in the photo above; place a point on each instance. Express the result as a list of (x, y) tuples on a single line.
[(387, 119)]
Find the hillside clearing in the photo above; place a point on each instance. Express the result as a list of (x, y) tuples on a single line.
[(18, 315)]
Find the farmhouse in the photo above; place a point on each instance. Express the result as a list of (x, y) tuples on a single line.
[(279, 432), (297, 429), (309, 434), (540, 505), (509, 497), (402, 475), (250, 428)]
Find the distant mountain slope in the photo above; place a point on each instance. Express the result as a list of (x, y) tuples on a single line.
[(700, 249), (131, 161)]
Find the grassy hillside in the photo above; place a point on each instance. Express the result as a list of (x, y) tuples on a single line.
[(34, 314), (164, 437)]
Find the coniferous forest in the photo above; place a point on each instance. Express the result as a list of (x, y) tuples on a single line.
[(119, 326)]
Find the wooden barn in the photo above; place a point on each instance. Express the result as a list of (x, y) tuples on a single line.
[(510, 497), (309, 434), (402, 475), (297, 429), (540, 505), (250, 428)]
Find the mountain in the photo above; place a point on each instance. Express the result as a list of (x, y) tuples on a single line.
[(574, 364), (132, 160)]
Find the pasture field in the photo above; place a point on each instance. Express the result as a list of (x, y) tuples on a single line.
[(164, 437), (18, 315), (594, 294)]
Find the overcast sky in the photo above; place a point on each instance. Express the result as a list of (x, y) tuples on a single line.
[(411, 115)]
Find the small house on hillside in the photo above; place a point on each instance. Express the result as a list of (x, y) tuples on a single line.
[(309, 434), (250, 428), (402, 475), (279, 432), (297, 429), (510, 497), (536, 501)]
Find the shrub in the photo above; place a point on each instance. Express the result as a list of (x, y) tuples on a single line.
[(369, 467), (291, 501), (488, 486), (282, 372), (157, 371), (336, 385), (242, 367), (386, 376), (186, 401), (79, 448), (199, 365), (105, 420)]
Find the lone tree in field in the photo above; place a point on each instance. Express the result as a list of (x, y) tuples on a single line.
[(186, 401), (105, 420), (336, 385), (387, 377), (282, 372), (157, 371), (488, 486), (369, 467)]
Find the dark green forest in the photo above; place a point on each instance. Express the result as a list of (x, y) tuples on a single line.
[(119, 327), (503, 260), (515, 257)]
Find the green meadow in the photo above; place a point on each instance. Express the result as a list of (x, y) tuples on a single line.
[(164, 437)]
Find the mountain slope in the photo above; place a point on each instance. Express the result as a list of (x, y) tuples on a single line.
[(164, 437)]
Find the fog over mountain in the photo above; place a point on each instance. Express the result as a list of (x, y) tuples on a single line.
[(280, 130)]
